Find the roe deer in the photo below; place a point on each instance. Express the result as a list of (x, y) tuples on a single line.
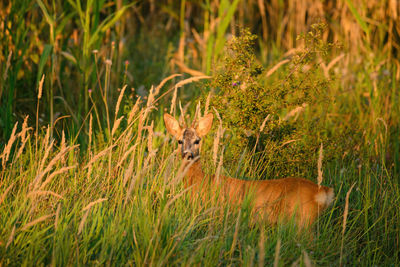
[(274, 200)]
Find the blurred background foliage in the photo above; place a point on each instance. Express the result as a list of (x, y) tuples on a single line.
[(97, 183), (88, 50)]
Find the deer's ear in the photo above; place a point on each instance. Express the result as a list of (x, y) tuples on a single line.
[(205, 124), (172, 125)]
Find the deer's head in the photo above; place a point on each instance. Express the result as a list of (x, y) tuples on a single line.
[(189, 137)]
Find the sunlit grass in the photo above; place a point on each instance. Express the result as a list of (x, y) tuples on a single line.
[(99, 185)]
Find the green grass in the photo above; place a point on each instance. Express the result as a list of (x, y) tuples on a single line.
[(145, 217), (78, 194)]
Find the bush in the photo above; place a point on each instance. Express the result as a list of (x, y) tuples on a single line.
[(293, 103)]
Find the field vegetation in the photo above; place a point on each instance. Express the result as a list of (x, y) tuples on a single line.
[(89, 175)]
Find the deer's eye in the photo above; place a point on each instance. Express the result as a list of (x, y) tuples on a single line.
[(180, 142), (197, 142)]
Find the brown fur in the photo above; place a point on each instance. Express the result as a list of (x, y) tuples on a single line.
[(274, 200)]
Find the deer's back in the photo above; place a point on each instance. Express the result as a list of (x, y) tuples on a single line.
[(281, 197)]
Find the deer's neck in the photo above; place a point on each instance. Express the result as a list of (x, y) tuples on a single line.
[(194, 173)]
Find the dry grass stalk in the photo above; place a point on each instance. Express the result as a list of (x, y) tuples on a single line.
[(150, 98), (63, 146), (42, 193), (126, 154), (82, 223), (34, 222), (90, 131), (150, 137), (25, 128), (91, 204), (148, 159), (235, 235), (8, 64), (7, 148), (180, 84), (186, 69), (37, 112), (3, 196), (163, 82), (24, 134), (190, 80), (140, 125), (221, 161), (47, 137), (45, 156), (116, 125), (63, 142), (320, 172), (182, 120), (197, 115), (149, 104), (217, 138), (346, 209), (35, 184), (288, 142), (99, 155), (330, 65), (345, 214), (264, 122), (181, 49), (11, 237), (57, 172), (307, 260), (261, 249), (277, 252), (131, 185), (133, 110), (182, 172), (295, 112), (173, 102), (57, 216), (121, 95), (40, 90), (274, 68), (129, 170), (138, 175), (261, 7), (207, 103)]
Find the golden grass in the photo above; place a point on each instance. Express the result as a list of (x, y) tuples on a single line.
[(7, 149), (121, 95), (320, 172), (116, 125), (11, 237), (43, 193), (4, 195), (345, 214), (24, 134), (261, 248), (274, 68), (220, 133), (36, 221), (277, 252)]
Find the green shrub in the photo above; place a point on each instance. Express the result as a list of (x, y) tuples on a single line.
[(294, 100)]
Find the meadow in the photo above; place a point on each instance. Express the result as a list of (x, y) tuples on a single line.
[(90, 176)]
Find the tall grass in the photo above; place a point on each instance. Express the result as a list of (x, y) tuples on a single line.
[(102, 185), (62, 207), (58, 38)]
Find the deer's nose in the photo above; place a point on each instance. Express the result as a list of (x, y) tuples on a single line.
[(187, 154)]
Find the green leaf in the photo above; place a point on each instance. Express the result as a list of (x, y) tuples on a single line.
[(231, 9), (43, 59), (46, 14), (69, 56), (107, 23), (357, 16)]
